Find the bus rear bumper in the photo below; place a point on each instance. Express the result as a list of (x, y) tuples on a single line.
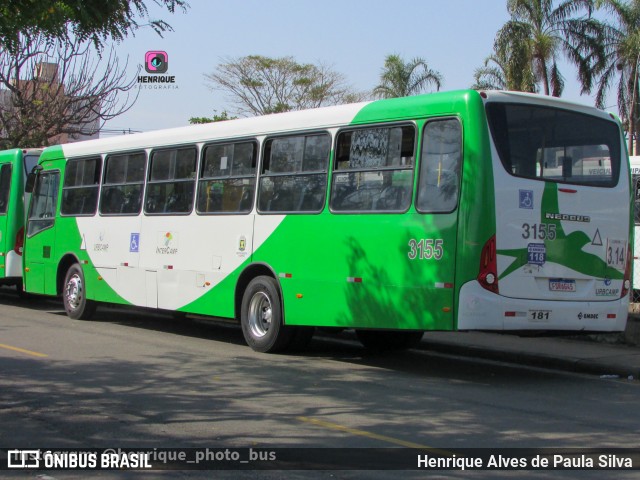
[(480, 309)]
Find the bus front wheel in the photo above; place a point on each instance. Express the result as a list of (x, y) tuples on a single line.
[(74, 295), (261, 316)]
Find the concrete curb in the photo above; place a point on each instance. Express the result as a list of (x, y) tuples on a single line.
[(623, 363)]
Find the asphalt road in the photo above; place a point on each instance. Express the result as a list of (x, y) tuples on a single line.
[(138, 379)]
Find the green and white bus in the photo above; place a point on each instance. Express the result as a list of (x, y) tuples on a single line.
[(450, 211), (15, 164)]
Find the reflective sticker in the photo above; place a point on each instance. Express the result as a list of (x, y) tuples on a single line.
[(597, 240), (616, 253), (134, 243), (536, 254), (526, 199)]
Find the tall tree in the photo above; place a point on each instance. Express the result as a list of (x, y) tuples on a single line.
[(402, 79), (622, 41), (506, 73), (95, 20), (260, 85), (72, 93), (549, 31)]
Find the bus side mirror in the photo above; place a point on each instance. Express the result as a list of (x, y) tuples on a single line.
[(31, 179)]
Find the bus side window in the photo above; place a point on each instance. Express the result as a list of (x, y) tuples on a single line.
[(172, 177), (440, 165), (227, 178), (80, 186), (294, 174), (5, 187), (43, 203), (373, 171), (121, 192)]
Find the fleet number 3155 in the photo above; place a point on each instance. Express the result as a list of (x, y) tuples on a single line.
[(426, 249)]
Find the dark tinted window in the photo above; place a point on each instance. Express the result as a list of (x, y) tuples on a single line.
[(5, 187), (122, 187), (172, 181), (43, 203), (294, 174), (80, 187), (228, 178), (553, 144)]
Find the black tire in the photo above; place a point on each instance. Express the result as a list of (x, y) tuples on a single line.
[(74, 295), (384, 341), (261, 317)]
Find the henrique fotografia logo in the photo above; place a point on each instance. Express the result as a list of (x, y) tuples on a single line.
[(156, 62)]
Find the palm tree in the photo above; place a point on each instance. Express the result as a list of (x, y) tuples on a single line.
[(622, 43), (400, 79), (545, 33), (498, 73)]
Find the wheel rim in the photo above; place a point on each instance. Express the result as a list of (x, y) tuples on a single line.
[(74, 291), (260, 314)]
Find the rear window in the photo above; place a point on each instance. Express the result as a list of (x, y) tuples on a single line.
[(557, 145)]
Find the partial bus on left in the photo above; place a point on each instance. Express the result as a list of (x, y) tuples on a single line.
[(15, 164)]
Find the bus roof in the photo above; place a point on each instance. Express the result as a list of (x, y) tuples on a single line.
[(324, 117)]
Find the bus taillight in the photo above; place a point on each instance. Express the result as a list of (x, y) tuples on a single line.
[(19, 241), (626, 283), (488, 274)]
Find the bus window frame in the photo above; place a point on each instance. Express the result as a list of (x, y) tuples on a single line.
[(56, 207), (149, 160), (369, 126), (201, 178), (4, 211), (502, 152), (103, 183), (98, 186), (325, 172), (421, 161)]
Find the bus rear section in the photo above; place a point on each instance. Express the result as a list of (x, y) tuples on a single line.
[(634, 163), (560, 258), (14, 165)]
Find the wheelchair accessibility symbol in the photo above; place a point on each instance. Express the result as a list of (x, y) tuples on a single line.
[(134, 244), (526, 199)]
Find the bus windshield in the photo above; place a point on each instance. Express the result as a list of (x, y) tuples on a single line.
[(555, 145)]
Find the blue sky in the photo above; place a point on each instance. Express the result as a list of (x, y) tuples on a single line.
[(353, 36)]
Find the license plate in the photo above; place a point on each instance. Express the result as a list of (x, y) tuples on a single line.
[(562, 285)]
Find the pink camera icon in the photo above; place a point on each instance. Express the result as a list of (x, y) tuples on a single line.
[(156, 61)]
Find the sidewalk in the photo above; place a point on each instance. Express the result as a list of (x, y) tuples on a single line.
[(593, 354)]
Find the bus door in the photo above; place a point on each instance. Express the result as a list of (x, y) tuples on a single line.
[(39, 255), (433, 251)]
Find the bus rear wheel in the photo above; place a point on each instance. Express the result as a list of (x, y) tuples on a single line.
[(384, 341), (261, 316), (74, 295)]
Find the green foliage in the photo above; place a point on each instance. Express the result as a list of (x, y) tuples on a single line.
[(538, 32), (94, 20), (260, 85), (224, 116), (620, 70), (400, 79)]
